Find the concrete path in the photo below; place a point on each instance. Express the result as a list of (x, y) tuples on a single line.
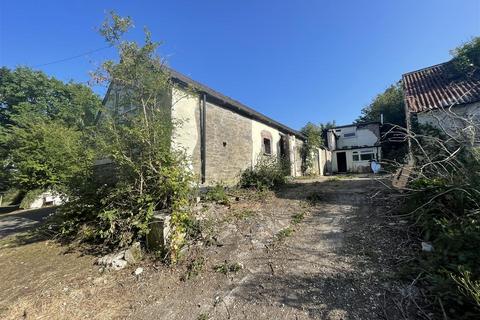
[(22, 220)]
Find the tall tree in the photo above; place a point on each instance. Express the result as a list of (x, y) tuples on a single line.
[(315, 139), (389, 103), (466, 58), (42, 121)]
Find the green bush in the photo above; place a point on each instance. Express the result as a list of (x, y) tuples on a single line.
[(11, 197), (29, 197), (453, 227), (268, 173), (150, 175), (444, 202), (217, 194)]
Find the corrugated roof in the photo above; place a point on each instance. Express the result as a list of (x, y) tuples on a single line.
[(434, 87), (231, 103)]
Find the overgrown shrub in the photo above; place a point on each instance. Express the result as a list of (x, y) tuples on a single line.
[(150, 175), (268, 173), (217, 194), (444, 202)]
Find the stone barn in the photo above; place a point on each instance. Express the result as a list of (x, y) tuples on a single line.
[(221, 136), (437, 96)]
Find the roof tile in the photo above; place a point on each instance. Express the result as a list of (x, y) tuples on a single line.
[(433, 88)]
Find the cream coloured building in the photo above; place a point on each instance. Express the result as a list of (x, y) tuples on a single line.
[(221, 136)]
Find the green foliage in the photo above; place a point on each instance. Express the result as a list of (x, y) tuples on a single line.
[(194, 268), (228, 267), (314, 141), (150, 175), (203, 316), (298, 217), (217, 194), (389, 103), (284, 234), (11, 196), (42, 128), (467, 286), (445, 205), (46, 154), (25, 92), (29, 197), (466, 59), (268, 174)]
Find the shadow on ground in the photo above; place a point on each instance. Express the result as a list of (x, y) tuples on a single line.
[(337, 265), (21, 226)]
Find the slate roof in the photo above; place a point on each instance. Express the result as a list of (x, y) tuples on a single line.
[(434, 87), (231, 104)]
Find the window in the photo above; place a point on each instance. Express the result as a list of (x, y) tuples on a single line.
[(355, 157), (367, 156), (267, 146), (349, 135)]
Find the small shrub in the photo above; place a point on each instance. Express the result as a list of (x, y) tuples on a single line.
[(194, 268), (227, 267), (203, 316), (29, 197), (217, 194), (298, 217), (268, 173), (468, 287), (284, 233)]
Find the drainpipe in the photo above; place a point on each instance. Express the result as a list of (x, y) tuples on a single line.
[(203, 106)]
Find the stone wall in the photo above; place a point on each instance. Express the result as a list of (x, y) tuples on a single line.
[(228, 144), (451, 120), (233, 141)]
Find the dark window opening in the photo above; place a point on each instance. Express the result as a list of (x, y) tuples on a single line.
[(267, 146), (355, 157), (367, 156), (349, 135)]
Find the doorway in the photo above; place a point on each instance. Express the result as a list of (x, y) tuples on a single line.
[(341, 162)]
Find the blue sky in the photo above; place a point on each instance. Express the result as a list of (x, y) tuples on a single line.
[(295, 61)]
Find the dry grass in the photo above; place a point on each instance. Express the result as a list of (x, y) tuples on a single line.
[(40, 281)]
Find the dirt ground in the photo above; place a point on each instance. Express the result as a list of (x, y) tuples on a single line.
[(317, 249)]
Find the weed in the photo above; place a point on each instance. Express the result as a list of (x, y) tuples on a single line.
[(217, 194), (194, 268), (227, 267), (298, 217), (268, 174), (203, 316), (284, 233), (243, 214)]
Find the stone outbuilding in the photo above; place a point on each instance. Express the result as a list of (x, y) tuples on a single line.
[(221, 136), (441, 97)]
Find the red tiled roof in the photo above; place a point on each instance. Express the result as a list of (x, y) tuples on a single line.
[(433, 88)]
